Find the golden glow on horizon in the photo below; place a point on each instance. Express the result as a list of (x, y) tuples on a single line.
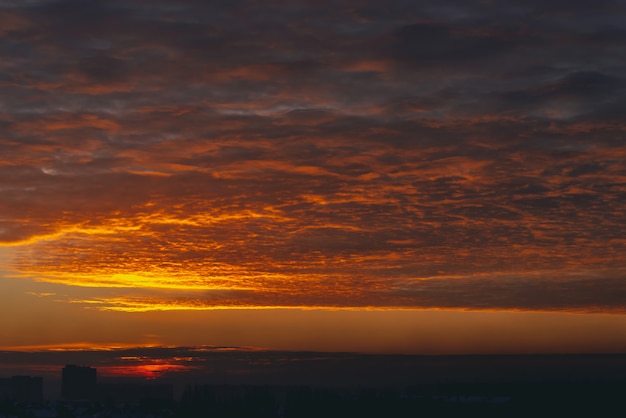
[(76, 346), (85, 346), (399, 331)]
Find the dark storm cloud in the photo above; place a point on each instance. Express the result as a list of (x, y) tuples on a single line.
[(302, 154)]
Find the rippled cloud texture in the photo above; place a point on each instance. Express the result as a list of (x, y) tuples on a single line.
[(345, 154)]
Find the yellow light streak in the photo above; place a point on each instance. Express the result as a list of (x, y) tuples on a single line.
[(142, 280)]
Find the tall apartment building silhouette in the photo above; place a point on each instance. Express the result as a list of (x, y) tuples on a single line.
[(79, 382)]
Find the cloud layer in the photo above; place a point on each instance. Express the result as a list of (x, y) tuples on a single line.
[(194, 155)]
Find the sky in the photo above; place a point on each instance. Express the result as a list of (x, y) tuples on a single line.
[(374, 176)]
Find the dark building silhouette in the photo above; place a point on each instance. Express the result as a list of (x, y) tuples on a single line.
[(27, 388), (129, 392), (5, 388), (79, 383), (22, 389)]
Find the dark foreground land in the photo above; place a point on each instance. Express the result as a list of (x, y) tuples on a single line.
[(302, 385), (538, 399), (449, 400)]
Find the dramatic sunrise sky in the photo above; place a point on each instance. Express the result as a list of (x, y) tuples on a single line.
[(380, 176)]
